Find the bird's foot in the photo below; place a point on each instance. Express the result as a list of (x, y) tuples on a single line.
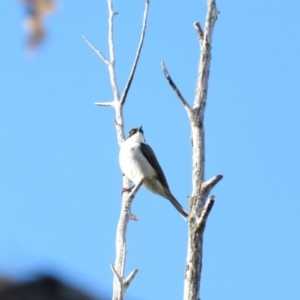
[(127, 190)]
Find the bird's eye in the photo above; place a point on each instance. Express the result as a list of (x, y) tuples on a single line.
[(132, 132)]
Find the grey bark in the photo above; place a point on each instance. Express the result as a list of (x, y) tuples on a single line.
[(120, 282), (199, 206)]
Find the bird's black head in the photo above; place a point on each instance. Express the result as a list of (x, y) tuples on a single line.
[(133, 131)]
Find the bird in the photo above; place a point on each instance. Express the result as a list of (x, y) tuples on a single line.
[(138, 161)]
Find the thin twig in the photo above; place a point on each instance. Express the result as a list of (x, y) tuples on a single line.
[(116, 273), (104, 103), (111, 66), (199, 31), (129, 278), (138, 52), (205, 190), (205, 212), (97, 51), (209, 184), (176, 90), (110, 32), (133, 217), (204, 62)]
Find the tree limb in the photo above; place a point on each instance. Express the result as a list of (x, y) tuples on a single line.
[(208, 185), (125, 216), (116, 274), (97, 51), (129, 278), (176, 90), (204, 62), (111, 66), (199, 31), (199, 208), (104, 103), (138, 52), (120, 286), (205, 212)]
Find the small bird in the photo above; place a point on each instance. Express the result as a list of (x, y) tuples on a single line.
[(137, 161)]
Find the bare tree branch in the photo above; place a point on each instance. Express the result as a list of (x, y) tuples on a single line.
[(97, 51), (120, 286), (176, 90), (199, 208), (119, 122), (204, 63), (128, 84), (111, 66), (116, 274), (205, 212), (125, 216), (199, 31), (130, 277), (104, 103), (208, 185), (205, 190)]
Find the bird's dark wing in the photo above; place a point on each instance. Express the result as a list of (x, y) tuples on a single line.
[(150, 156)]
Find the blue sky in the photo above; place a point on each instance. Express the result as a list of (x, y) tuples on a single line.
[(60, 178)]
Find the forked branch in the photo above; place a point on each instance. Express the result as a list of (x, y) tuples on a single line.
[(199, 207), (120, 285)]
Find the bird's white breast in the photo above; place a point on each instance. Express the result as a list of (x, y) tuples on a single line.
[(133, 163)]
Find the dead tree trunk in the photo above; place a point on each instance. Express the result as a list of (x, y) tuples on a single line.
[(199, 206)]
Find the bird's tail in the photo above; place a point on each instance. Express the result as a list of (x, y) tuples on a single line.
[(178, 206)]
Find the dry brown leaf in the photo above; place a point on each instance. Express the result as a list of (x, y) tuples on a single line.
[(36, 10)]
